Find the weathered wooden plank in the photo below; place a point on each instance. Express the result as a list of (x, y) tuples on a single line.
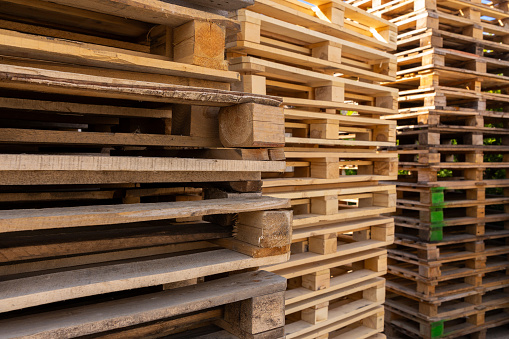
[(95, 258), (67, 242), (65, 16), (33, 136), (122, 177), (75, 52), (27, 78), (157, 12), (116, 314), (70, 108), (52, 287), (62, 34), (32, 162), (47, 218), (173, 326)]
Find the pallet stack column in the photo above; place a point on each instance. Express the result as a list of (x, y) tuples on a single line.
[(449, 261), (130, 175), (327, 63)]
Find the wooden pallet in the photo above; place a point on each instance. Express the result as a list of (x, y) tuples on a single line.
[(54, 131), (258, 294), (259, 234), (274, 36), (151, 37), (316, 302), (474, 323), (333, 100), (450, 252), (334, 18)]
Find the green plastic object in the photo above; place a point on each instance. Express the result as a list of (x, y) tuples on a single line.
[(437, 213), (437, 329)]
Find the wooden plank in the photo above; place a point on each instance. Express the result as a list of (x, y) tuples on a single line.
[(169, 327), (361, 109), (283, 11), (342, 316), (121, 177), (338, 291), (330, 142), (33, 162), (115, 73), (46, 288), (27, 78), (47, 218), (310, 78), (152, 11), (92, 319), (300, 294), (61, 34), (71, 242), (311, 193), (303, 60), (74, 52), (342, 119), (309, 262), (32, 136), (66, 262), (86, 109), (64, 16), (345, 226)]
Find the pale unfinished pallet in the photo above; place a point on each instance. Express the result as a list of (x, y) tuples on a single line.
[(275, 37), (333, 17), (333, 292), (318, 86), (317, 205)]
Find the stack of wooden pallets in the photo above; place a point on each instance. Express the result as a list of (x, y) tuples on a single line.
[(448, 268), (130, 197), (327, 62)]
